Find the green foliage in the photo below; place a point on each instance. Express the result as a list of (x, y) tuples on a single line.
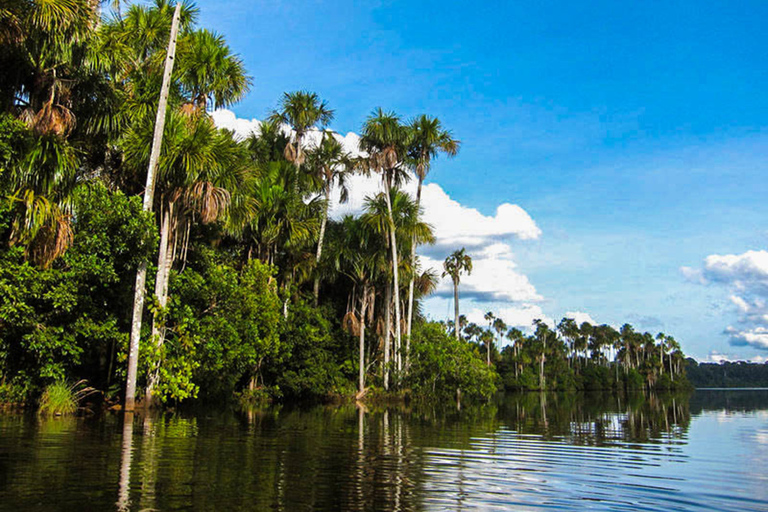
[(728, 374), (441, 365), (222, 328), (68, 319), (60, 398), (318, 359)]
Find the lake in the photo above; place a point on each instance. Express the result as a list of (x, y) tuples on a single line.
[(707, 451)]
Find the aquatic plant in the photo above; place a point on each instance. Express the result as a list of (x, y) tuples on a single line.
[(61, 399)]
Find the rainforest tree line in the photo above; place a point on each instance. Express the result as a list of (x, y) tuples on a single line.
[(252, 289)]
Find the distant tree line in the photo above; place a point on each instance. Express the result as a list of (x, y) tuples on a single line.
[(572, 356), (735, 374)]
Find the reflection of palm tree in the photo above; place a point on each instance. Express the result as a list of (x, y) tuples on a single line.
[(454, 265), (126, 457)]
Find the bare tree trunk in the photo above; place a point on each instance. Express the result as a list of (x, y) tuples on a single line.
[(456, 309), (164, 262), (149, 195), (395, 261), (409, 325), (361, 375), (320, 238), (387, 330)]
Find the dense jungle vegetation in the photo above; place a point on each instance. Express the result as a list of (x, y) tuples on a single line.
[(253, 290)]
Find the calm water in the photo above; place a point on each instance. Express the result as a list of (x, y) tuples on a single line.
[(524, 452)]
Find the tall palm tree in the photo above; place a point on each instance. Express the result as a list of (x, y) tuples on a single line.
[(331, 165), (454, 265), (428, 138), (302, 111), (385, 140), (49, 69), (499, 326), (210, 75), (405, 220), (199, 168)]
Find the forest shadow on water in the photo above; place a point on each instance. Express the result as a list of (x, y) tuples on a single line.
[(523, 451)]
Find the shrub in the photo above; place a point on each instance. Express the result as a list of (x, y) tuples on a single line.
[(61, 399)]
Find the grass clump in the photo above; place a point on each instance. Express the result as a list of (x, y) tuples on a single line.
[(61, 399)]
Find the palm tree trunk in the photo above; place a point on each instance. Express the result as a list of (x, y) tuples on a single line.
[(164, 262), (361, 372), (149, 194), (411, 284), (320, 238), (395, 261), (387, 330), (456, 309)]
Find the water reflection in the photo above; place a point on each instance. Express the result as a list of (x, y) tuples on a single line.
[(520, 452), (126, 457)]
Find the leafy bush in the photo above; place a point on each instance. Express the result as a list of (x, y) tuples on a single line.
[(440, 365)]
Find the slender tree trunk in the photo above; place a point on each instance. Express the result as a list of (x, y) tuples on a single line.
[(165, 259), (149, 194), (387, 329), (411, 284), (320, 238), (488, 352), (456, 309), (361, 372), (395, 261)]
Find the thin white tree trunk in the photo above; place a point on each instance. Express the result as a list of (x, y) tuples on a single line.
[(320, 241), (387, 330), (149, 195), (361, 373), (165, 260), (456, 309), (411, 285), (393, 243)]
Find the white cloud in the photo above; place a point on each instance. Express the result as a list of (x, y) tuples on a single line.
[(242, 127), (748, 271), (580, 317), (756, 337), (521, 317), (717, 357), (746, 277), (496, 276)]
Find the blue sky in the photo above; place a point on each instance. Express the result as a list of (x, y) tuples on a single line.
[(634, 134)]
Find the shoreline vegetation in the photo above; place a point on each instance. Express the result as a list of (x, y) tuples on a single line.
[(258, 294)]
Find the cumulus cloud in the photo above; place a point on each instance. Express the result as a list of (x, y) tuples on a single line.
[(718, 357), (746, 277), (746, 272), (521, 316), (580, 317), (496, 278)]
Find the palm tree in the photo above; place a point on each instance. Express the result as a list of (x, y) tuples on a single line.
[(428, 138), (208, 72), (517, 338), (199, 168), (331, 165), (454, 265), (302, 111), (385, 140), (406, 222), (499, 326)]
